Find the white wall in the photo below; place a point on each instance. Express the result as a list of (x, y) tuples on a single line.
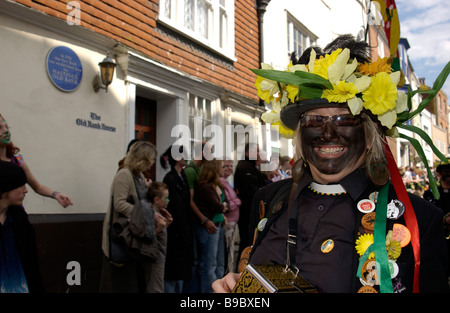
[(76, 160)]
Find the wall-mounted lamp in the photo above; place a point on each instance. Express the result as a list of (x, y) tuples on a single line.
[(107, 67)]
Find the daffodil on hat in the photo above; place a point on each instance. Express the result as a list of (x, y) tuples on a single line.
[(338, 79)]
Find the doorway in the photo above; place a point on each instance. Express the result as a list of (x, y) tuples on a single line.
[(145, 125)]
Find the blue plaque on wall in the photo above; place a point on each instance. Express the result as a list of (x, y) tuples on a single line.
[(64, 68)]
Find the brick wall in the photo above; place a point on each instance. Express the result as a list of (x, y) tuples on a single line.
[(134, 24)]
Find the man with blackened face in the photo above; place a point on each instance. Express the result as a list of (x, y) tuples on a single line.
[(329, 224)]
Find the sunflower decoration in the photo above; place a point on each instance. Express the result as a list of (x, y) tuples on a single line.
[(363, 243), (371, 69), (393, 247)]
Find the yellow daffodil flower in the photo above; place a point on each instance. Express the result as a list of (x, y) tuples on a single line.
[(284, 131), (292, 92), (381, 96), (266, 88), (280, 101), (273, 118), (323, 63), (337, 69), (341, 92), (362, 83)]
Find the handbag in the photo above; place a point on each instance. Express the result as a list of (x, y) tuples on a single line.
[(134, 239), (117, 248)]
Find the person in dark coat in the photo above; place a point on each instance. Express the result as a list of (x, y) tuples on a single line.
[(443, 173), (345, 222), (180, 246), (247, 180), (19, 269)]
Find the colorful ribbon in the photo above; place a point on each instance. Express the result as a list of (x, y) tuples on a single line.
[(409, 215), (379, 241)]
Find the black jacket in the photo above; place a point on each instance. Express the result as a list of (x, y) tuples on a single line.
[(180, 249), (432, 275), (25, 242), (247, 180)]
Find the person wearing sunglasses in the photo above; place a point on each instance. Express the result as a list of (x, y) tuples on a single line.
[(329, 223)]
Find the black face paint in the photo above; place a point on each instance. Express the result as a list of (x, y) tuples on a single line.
[(333, 148)]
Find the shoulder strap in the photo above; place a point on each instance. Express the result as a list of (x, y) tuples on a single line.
[(277, 205)]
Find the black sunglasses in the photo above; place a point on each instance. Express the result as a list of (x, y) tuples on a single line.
[(338, 120)]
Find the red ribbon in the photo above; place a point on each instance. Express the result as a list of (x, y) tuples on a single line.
[(409, 215)]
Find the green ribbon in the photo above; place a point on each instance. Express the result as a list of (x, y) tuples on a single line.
[(363, 260), (379, 238), (379, 245)]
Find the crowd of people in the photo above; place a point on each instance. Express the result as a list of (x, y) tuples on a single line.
[(201, 226), (200, 218), (415, 179)]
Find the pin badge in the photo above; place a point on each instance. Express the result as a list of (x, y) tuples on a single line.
[(366, 206), (368, 221), (401, 234), (374, 196), (393, 268), (367, 289), (395, 209), (369, 272), (262, 224), (327, 246)]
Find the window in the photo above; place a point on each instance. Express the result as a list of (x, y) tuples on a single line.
[(208, 22), (299, 37), (200, 116)]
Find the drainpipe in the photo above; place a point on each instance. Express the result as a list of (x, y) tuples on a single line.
[(261, 9)]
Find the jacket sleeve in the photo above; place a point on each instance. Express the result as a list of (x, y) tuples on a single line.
[(208, 200), (124, 192)]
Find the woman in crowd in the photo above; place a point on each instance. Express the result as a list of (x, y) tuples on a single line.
[(180, 250), (10, 153), (127, 187), (211, 200), (232, 215)]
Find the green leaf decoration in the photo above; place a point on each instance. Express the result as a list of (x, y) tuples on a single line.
[(297, 78), (425, 137), (422, 156), (438, 83), (311, 79)]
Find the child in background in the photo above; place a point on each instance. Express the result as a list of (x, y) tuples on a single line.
[(158, 196)]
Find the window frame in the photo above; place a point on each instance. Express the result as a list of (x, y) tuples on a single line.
[(295, 25), (221, 38), (201, 113)]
